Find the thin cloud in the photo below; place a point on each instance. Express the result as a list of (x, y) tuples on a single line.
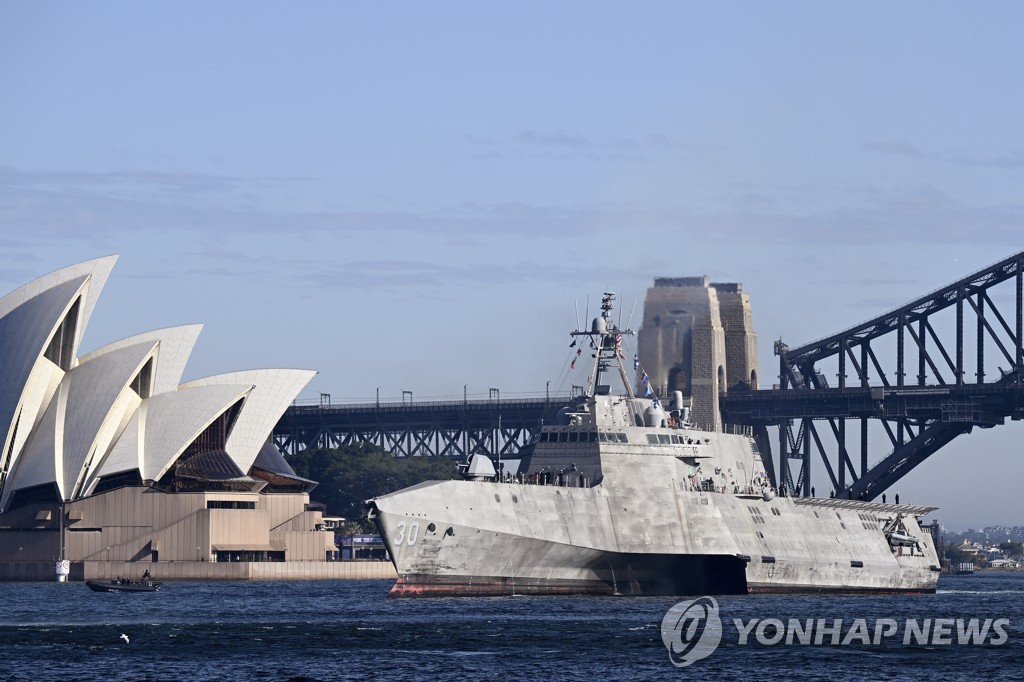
[(1009, 160), (12, 179), (558, 139), (44, 215), (569, 146), (894, 147)]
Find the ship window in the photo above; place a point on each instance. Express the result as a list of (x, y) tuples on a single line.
[(573, 437), (664, 439), (544, 437), (602, 436), (622, 437), (652, 439), (563, 437)]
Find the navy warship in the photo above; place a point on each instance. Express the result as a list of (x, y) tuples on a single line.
[(623, 497)]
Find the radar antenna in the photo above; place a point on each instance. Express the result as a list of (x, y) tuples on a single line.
[(606, 340)]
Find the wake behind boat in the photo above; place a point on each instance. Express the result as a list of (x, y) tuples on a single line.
[(624, 497), (123, 585)]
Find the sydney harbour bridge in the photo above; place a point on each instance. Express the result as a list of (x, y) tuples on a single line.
[(866, 404)]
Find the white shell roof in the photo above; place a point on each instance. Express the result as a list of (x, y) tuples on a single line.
[(273, 390), (93, 387), (176, 344), (173, 420), (60, 449), (75, 417), (25, 331), (126, 454), (97, 270), (41, 458)]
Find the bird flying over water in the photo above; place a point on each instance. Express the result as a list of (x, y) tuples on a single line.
[(124, 637)]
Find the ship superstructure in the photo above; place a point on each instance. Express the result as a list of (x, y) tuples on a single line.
[(622, 496)]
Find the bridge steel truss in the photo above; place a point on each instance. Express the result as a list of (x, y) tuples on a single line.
[(940, 402), (439, 429)]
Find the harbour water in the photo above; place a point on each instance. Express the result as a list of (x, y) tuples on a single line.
[(329, 630)]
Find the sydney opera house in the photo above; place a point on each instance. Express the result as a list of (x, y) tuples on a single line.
[(113, 464)]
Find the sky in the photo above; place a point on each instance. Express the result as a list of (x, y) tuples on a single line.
[(418, 196)]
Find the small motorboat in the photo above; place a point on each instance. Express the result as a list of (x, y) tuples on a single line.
[(123, 585)]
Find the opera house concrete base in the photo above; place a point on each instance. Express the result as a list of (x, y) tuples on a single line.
[(176, 536), (249, 570), (198, 570)]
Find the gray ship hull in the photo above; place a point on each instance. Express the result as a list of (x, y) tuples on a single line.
[(487, 538)]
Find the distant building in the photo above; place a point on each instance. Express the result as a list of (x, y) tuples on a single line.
[(110, 462), (698, 338), (1005, 563)]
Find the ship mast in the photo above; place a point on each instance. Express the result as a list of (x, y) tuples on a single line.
[(606, 338)]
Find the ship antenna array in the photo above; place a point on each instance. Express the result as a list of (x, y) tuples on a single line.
[(608, 344)]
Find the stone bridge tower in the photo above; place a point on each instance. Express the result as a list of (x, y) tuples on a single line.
[(698, 337)]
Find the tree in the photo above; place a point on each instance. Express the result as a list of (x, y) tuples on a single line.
[(349, 475), (1012, 549), (955, 555)]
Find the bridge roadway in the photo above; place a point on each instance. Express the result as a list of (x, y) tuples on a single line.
[(452, 428), (977, 404)]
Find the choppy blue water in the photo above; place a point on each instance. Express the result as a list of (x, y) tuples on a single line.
[(350, 630)]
